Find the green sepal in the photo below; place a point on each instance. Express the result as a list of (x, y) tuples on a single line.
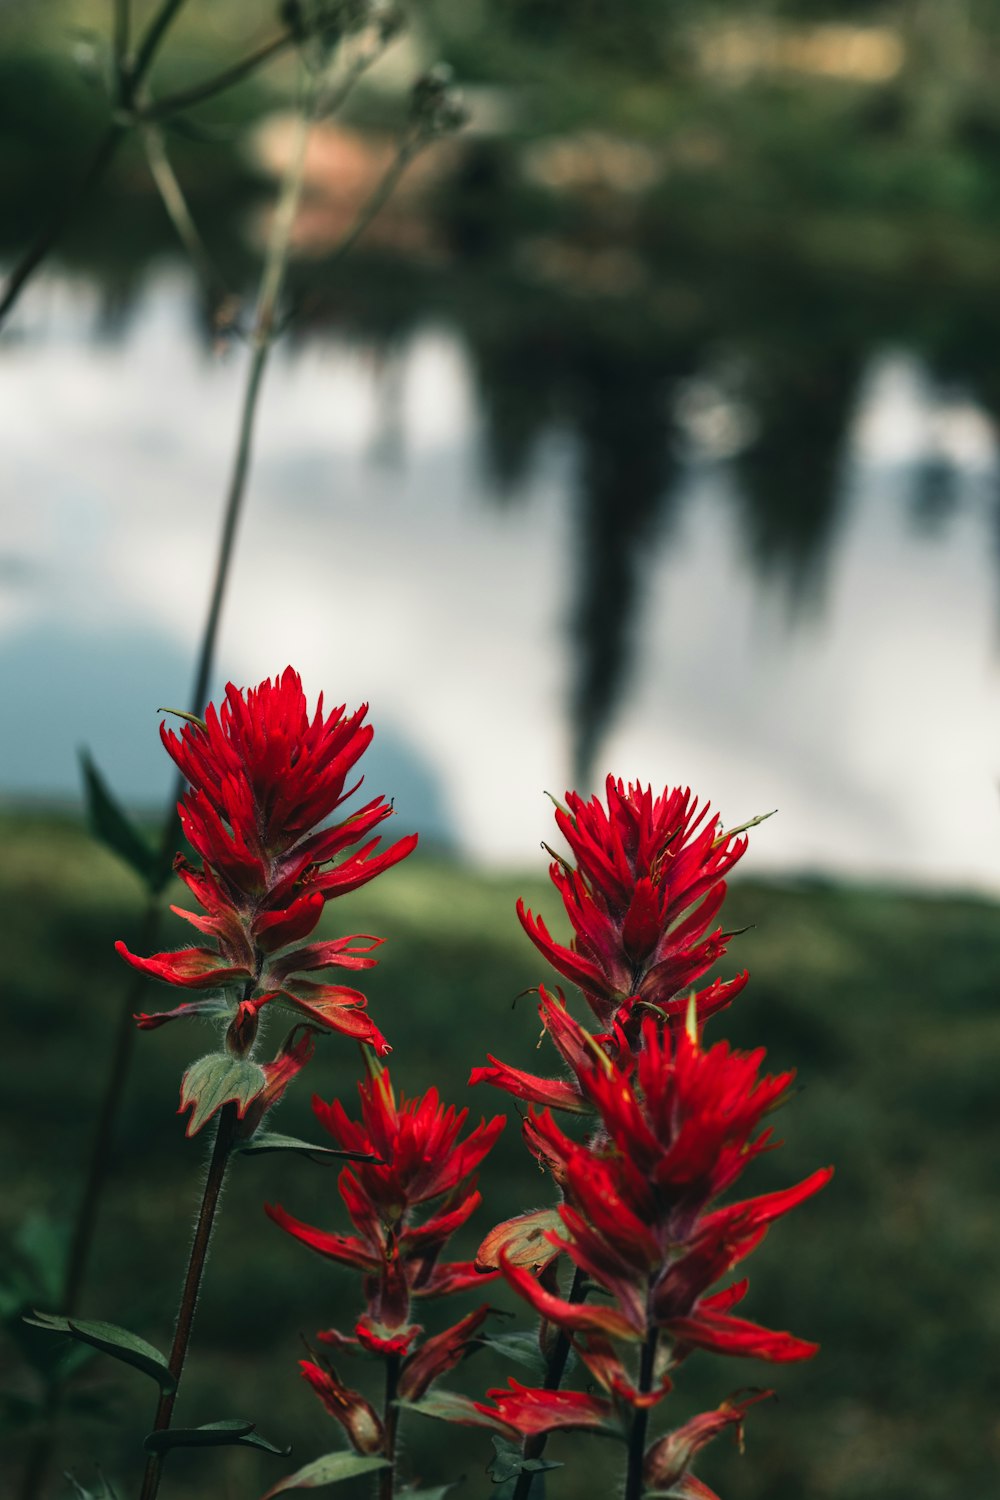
[(509, 1462), (110, 1339), (111, 826), (229, 1433), (330, 1469), (270, 1140), (216, 1080)]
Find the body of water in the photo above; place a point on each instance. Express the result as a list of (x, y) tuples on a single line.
[(858, 693)]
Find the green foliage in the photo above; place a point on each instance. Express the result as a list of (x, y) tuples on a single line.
[(112, 825), (229, 1433), (886, 1003), (263, 1142), (332, 1468), (108, 1338), (216, 1080)]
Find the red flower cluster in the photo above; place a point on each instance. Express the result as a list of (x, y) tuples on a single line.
[(649, 880), (677, 1126), (673, 1128), (419, 1159), (262, 775)]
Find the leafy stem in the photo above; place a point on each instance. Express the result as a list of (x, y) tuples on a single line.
[(534, 1447), (224, 1138)]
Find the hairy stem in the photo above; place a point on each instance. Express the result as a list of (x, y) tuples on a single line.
[(390, 1421), (534, 1447), (640, 1420), (224, 1137)]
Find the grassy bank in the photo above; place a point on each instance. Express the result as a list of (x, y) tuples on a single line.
[(887, 1005)]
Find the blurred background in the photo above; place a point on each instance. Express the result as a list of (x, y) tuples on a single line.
[(651, 428)]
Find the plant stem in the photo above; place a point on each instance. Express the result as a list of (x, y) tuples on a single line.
[(224, 1137), (128, 80), (209, 87), (36, 252), (534, 1447), (172, 196), (390, 1421), (640, 1420)]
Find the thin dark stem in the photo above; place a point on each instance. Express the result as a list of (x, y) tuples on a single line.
[(390, 1421), (129, 79), (121, 24), (534, 1447), (155, 32), (640, 1420), (83, 1229), (49, 236), (172, 196), (224, 1137), (170, 104)]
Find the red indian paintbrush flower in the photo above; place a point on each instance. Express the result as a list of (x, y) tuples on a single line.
[(262, 775), (677, 1125), (648, 881), (420, 1159)]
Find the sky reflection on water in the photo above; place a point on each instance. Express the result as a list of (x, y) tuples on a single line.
[(376, 556)]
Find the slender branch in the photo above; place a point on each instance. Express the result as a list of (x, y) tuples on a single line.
[(180, 216), (121, 24), (640, 1420), (170, 104), (128, 81), (224, 1138), (155, 32), (384, 190), (390, 1421), (534, 1447), (49, 236)]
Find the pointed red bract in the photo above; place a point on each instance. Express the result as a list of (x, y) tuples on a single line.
[(262, 774), (422, 1158)]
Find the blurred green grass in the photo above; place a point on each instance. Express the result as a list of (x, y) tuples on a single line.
[(885, 1003)]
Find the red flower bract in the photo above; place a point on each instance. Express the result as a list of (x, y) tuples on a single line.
[(676, 1126), (262, 774), (420, 1158), (648, 882)]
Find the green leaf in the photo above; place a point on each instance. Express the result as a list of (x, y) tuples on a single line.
[(330, 1469), (269, 1140), (509, 1462), (450, 1406), (216, 1080), (111, 825), (229, 1433), (438, 1493), (110, 1339), (522, 1348)]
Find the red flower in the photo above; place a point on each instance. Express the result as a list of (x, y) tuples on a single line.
[(357, 1416), (648, 882), (667, 1461), (262, 775), (421, 1160), (677, 1125)]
